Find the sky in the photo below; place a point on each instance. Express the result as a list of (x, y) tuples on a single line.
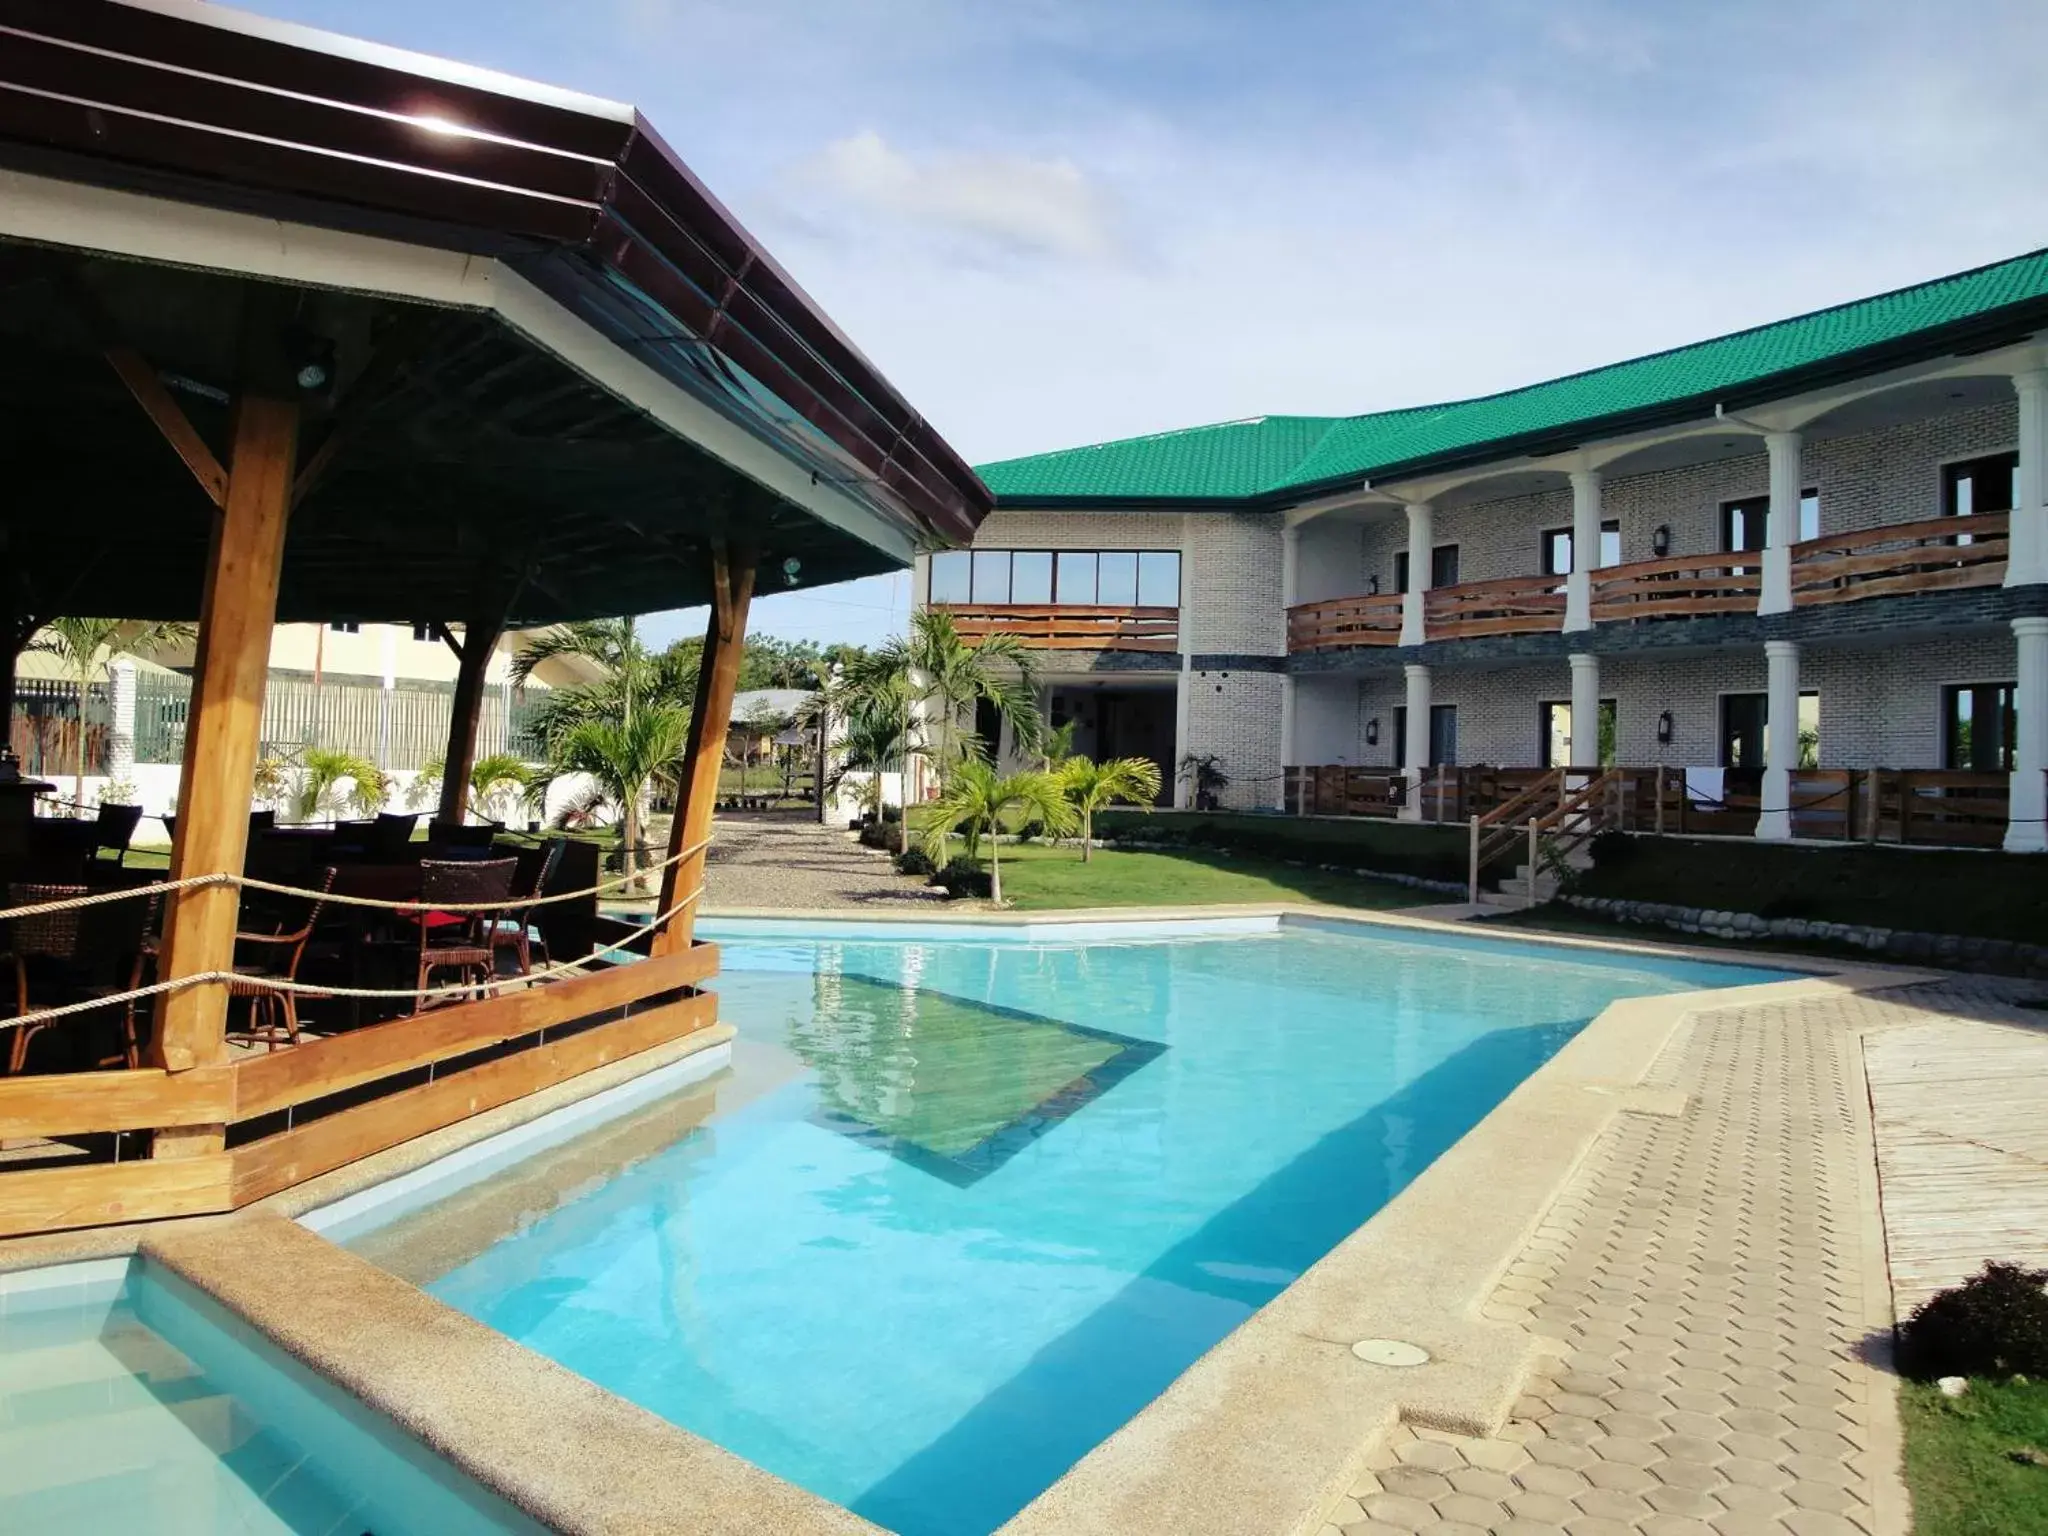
[(1054, 222)]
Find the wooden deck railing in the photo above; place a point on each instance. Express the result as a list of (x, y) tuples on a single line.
[(304, 1110), (1063, 627), (1343, 791), (1339, 621), (1926, 556), (1510, 605), (1677, 586)]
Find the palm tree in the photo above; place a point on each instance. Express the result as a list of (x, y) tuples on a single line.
[(1089, 786), (497, 781), (872, 745), (933, 666), (316, 789), (976, 799), (630, 676), (88, 647), (624, 758)]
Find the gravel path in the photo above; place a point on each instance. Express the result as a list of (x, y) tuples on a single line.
[(769, 860)]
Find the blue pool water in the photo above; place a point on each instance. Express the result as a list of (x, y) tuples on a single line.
[(981, 1201), (132, 1403)]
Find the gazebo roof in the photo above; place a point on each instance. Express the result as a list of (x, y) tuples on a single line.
[(557, 368)]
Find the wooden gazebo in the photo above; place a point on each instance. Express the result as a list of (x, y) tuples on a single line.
[(299, 328)]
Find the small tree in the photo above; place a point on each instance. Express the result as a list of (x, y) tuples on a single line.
[(1089, 786), (328, 782), (625, 759), (975, 800), (87, 647)]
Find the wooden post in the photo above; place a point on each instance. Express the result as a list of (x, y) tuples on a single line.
[(480, 635), (732, 588), (1472, 878), (233, 663), (1535, 854)]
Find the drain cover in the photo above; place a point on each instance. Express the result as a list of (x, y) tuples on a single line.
[(1389, 1352)]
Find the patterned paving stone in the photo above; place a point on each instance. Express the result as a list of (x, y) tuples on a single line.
[(1704, 1277)]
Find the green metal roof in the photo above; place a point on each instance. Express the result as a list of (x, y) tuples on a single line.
[(1273, 456)]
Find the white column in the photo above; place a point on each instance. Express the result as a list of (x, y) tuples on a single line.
[(1783, 524), (121, 738), (1420, 540), (1578, 586), (1183, 791), (2025, 831), (1290, 567), (1585, 751), (1781, 743), (1417, 741), (1287, 707), (2027, 553)]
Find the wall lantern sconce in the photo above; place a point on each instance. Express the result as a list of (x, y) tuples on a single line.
[(1660, 541), (1664, 729), (1372, 731)]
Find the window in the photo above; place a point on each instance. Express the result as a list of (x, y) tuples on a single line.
[(1443, 735), (1443, 567), (952, 576), (1120, 578), (1557, 547), (1989, 484), (1977, 725), (1554, 736), (346, 627), (1745, 522), (1031, 576), (1746, 736), (991, 575), (1159, 579), (1116, 578), (1076, 582)]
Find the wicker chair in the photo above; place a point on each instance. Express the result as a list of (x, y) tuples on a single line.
[(68, 957), (461, 941), (116, 827), (514, 931), (275, 956)]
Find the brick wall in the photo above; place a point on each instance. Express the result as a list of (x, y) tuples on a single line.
[(1235, 716), (1230, 586)]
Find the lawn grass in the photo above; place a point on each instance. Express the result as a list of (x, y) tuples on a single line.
[(1039, 879), (1959, 1459)]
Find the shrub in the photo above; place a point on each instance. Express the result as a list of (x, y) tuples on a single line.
[(915, 861), (1994, 1324), (1611, 849), (963, 878), (892, 813)]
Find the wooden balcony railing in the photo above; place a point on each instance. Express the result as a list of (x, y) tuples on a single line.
[(1510, 605), (1677, 586), (1342, 621), (1060, 627), (1926, 556)]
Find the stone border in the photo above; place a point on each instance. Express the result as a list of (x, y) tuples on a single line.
[(2005, 957)]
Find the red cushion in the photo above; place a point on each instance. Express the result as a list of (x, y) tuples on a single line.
[(433, 919)]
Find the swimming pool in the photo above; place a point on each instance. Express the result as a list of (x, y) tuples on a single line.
[(131, 1402), (968, 1202)]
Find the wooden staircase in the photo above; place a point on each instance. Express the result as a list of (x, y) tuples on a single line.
[(1554, 819)]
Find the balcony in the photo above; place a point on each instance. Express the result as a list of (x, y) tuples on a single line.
[(1928, 556), (1068, 627), (1940, 554), (1345, 621)]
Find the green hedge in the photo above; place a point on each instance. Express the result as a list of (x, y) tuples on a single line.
[(1385, 847), (1927, 890)]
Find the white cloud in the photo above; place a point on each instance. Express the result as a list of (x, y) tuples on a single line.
[(1015, 202)]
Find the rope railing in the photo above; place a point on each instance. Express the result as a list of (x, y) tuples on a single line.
[(421, 995), (249, 882)]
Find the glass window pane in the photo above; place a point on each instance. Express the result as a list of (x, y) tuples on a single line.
[(1557, 552), (1031, 576), (1159, 579), (950, 576), (1400, 570), (1610, 544), (1809, 516), (1117, 579), (991, 575), (1443, 566), (1076, 578)]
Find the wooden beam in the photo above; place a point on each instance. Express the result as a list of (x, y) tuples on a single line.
[(732, 589), (479, 644), (79, 1103), (171, 421), (233, 664), (96, 1194)]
